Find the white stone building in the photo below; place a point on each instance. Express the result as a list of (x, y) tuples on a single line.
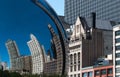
[(37, 53), (87, 43)]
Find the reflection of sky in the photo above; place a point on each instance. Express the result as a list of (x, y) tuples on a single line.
[(58, 6), (19, 18)]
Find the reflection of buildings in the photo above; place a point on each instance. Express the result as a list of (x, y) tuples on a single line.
[(53, 49), (105, 9), (18, 63), (24, 64), (28, 63), (116, 50), (13, 53), (4, 65), (61, 33), (57, 49), (54, 63), (66, 26), (50, 67), (87, 43), (37, 53)]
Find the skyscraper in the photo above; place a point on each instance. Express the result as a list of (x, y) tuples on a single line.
[(105, 9), (37, 55), (13, 53)]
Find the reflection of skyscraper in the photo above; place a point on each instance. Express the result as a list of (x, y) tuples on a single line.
[(13, 53), (58, 50), (37, 55), (53, 50)]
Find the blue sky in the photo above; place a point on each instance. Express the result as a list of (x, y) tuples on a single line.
[(20, 18), (58, 6)]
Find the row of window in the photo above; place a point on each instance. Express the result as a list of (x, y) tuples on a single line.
[(117, 33), (74, 56), (75, 68), (117, 76), (104, 71), (117, 70), (75, 75), (117, 47), (118, 62), (117, 40), (117, 55), (98, 72), (87, 74)]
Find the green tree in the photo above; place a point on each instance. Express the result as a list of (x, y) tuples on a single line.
[(1, 72), (5, 74), (15, 74)]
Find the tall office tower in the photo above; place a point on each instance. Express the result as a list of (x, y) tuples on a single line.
[(13, 53), (57, 50), (116, 51), (37, 55), (105, 9), (87, 44)]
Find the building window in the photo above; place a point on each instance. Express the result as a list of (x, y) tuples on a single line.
[(78, 75), (117, 40), (117, 47), (74, 75), (117, 76), (117, 55), (74, 67), (103, 72), (110, 71), (79, 58), (90, 74), (77, 29), (117, 70), (71, 68), (78, 66), (117, 33), (118, 62), (75, 58), (97, 72), (84, 75), (71, 76), (71, 59)]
